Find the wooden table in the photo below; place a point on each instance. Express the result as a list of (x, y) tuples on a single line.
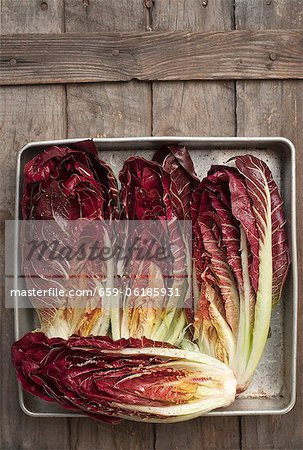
[(204, 107)]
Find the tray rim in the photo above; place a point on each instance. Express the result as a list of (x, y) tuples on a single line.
[(294, 275)]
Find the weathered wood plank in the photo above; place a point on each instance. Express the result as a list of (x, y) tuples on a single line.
[(108, 109), (270, 108), (194, 108), (26, 113), (192, 15), (268, 14), (86, 57)]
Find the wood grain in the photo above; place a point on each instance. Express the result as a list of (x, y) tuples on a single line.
[(195, 108), (87, 57), (201, 108), (112, 110), (26, 113), (107, 109), (118, 109), (275, 108)]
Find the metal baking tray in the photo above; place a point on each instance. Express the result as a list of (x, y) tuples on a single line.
[(274, 385)]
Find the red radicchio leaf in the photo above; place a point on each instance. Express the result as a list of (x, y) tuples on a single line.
[(70, 182), (145, 191), (146, 194), (233, 184), (67, 371), (224, 277), (238, 219), (256, 173), (64, 184), (109, 380), (177, 162)]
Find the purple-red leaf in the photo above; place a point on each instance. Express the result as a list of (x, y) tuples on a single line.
[(257, 175), (176, 160), (110, 380), (69, 182)]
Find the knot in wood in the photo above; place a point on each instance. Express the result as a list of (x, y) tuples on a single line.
[(44, 6), (149, 3)]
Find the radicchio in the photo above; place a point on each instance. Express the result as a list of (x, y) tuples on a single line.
[(68, 192), (176, 160), (108, 380), (241, 258), (146, 195)]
